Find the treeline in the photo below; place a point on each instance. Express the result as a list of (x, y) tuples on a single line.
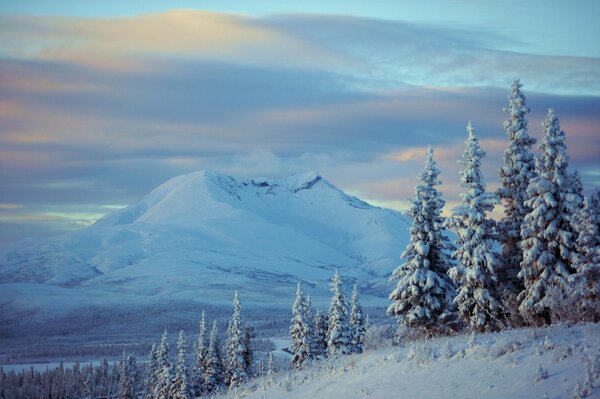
[(549, 268), (341, 331), (86, 381)]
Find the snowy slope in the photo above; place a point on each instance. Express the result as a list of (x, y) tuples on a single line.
[(201, 235), (500, 365)]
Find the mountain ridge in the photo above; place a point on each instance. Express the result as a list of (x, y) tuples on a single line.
[(205, 233)]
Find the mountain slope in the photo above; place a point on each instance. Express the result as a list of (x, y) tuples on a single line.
[(203, 234)]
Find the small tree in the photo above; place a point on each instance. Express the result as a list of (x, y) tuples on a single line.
[(357, 323), (236, 368), (213, 378), (163, 371), (475, 274), (339, 335), (548, 239), (320, 335), (423, 296), (152, 379), (201, 360), (300, 331), (271, 369), (180, 388), (127, 377)]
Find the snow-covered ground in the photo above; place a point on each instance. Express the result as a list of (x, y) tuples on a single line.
[(499, 365)]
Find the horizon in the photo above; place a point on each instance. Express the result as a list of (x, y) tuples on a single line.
[(101, 102)]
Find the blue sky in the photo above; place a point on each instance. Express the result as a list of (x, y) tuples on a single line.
[(102, 101)]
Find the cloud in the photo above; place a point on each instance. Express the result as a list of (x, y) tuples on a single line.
[(269, 96), (123, 43)]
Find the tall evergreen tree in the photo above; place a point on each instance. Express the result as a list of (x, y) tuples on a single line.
[(320, 335), (201, 360), (339, 334), (475, 274), (163, 371), (180, 388), (236, 369), (548, 237), (213, 379), (423, 295), (587, 263), (357, 323), (300, 334), (517, 170)]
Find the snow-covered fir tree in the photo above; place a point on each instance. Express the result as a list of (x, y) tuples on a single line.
[(357, 323), (300, 334), (548, 237), (517, 170), (180, 387), (475, 274), (163, 371), (213, 378), (249, 355), (271, 369), (200, 358), (236, 369), (320, 335), (152, 378), (587, 263), (339, 332), (127, 377), (423, 295)]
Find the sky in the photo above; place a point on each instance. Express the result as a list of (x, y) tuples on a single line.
[(101, 101)]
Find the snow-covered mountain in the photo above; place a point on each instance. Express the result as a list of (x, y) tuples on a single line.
[(201, 235)]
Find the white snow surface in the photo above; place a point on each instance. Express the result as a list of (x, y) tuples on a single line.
[(201, 235), (492, 366)]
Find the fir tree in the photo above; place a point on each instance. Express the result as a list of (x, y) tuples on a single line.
[(201, 357), (300, 331), (127, 378), (163, 371), (587, 263), (548, 239), (213, 378), (152, 379), (249, 355), (180, 388), (357, 323), (475, 274), (339, 335), (236, 369), (320, 335), (517, 170), (271, 369), (423, 295)]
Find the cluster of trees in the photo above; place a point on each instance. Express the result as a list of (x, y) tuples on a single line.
[(550, 264), (214, 367), (122, 380), (339, 332)]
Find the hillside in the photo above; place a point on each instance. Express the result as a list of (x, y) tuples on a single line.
[(500, 365), (201, 235)]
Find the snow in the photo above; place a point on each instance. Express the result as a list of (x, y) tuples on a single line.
[(498, 365), (204, 234)]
